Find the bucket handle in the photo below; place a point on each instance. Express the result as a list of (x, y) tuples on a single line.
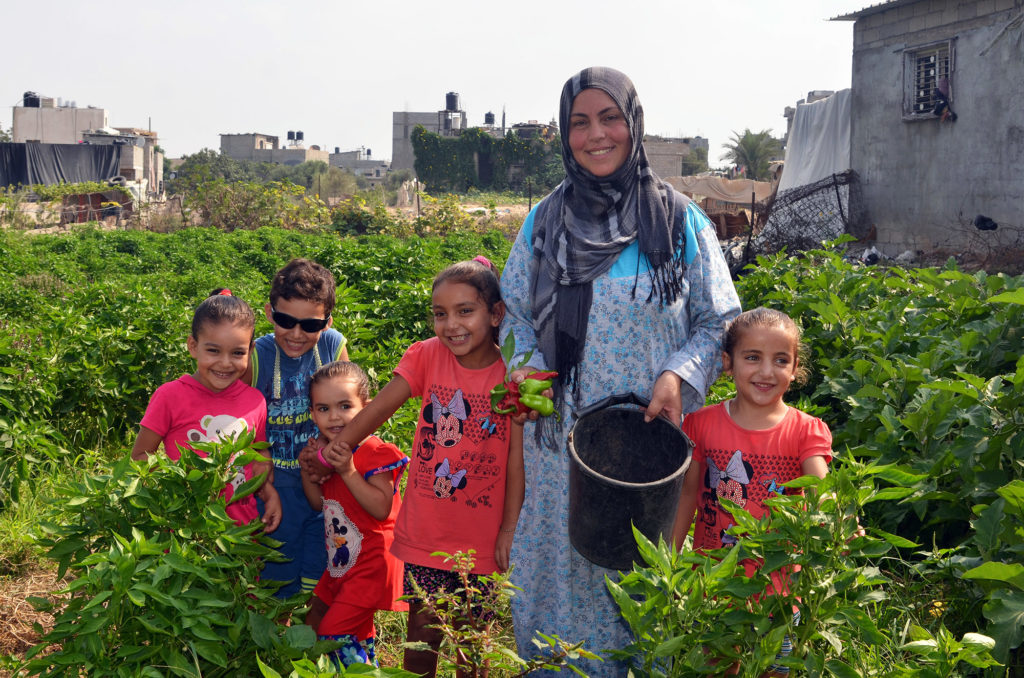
[(612, 401)]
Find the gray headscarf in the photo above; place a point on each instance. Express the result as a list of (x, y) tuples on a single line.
[(580, 229)]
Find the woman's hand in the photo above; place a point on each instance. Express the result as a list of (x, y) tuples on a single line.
[(518, 375), (667, 399)]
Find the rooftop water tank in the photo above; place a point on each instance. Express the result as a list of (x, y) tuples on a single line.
[(451, 101)]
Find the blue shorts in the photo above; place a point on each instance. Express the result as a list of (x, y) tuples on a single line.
[(786, 649), (302, 531)]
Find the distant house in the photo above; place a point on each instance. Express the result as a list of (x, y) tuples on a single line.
[(360, 163), (264, 148), (56, 128), (667, 155), (927, 174)]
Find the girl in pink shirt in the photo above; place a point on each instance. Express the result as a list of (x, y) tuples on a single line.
[(211, 404), (465, 484)]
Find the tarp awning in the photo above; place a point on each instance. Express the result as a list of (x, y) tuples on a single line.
[(719, 188)]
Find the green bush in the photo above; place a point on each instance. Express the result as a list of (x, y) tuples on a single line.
[(694, 614), (160, 576)]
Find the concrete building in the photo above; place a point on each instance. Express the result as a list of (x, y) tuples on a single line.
[(141, 163), (360, 163), (447, 122), (50, 121), (41, 119), (925, 177), (666, 154), (264, 148), (532, 128)]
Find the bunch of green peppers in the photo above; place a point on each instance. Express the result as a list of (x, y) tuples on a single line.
[(515, 399)]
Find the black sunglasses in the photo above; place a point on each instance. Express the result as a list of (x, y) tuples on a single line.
[(307, 324)]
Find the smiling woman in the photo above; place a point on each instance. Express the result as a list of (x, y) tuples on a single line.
[(617, 282)]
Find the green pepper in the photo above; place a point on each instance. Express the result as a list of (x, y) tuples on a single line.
[(537, 402), (534, 386)]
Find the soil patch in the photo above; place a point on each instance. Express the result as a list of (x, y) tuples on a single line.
[(17, 615)]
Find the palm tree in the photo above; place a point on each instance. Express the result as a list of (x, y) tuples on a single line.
[(753, 151)]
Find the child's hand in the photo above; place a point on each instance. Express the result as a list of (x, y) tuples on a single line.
[(503, 549), (272, 510), (339, 456), (310, 464)]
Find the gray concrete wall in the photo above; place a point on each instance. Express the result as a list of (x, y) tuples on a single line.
[(55, 125), (403, 123), (291, 156), (246, 146), (666, 157), (924, 181)]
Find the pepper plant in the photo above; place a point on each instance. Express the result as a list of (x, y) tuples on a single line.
[(159, 580), (694, 613)]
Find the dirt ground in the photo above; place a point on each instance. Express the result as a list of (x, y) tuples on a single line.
[(17, 615)]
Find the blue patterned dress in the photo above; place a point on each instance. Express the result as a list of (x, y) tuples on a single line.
[(629, 343)]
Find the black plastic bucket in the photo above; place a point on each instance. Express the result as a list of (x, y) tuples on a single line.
[(622, 471)]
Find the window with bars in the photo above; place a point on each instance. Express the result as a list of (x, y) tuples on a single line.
[(925, 70)]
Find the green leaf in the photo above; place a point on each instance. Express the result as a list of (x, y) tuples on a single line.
[(1005, 609), (864, 624), (894, 539), (211, 651), (300, 636), (1010, 573), (841, 669), (1012, 297)]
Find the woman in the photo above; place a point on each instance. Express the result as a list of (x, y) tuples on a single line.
[(617, 282)]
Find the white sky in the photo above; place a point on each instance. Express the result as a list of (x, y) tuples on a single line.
[(337, 69)]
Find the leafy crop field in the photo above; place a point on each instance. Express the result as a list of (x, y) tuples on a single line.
[(919, 373)]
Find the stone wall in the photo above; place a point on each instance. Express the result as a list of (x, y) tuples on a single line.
[(925, 180)]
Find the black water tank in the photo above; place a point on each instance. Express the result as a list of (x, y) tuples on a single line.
[(451, 101), (488, 118), (298, 136), (31, 100)]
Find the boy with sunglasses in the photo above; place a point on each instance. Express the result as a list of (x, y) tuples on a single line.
[(301, 301)]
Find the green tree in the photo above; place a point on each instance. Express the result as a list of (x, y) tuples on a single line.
[(207, 165), (6, 136), (753, 151)]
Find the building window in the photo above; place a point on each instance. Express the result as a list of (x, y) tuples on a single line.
[(927, 70)]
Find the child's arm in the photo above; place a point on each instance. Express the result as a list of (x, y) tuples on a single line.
[(375, 494), (515, 489), (272, 509), (146, 443), (311, 482), (814, 466), (369, 419), (687, 505)]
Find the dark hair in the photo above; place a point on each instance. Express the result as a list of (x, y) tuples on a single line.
[(344, 369), (478, 275), (767, 317), (220, 307), (306, 280)]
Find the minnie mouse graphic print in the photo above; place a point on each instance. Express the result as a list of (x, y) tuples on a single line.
[(746, 466), (456, 487)]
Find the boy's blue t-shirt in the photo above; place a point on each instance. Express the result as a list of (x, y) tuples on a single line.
[(284, 382)]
